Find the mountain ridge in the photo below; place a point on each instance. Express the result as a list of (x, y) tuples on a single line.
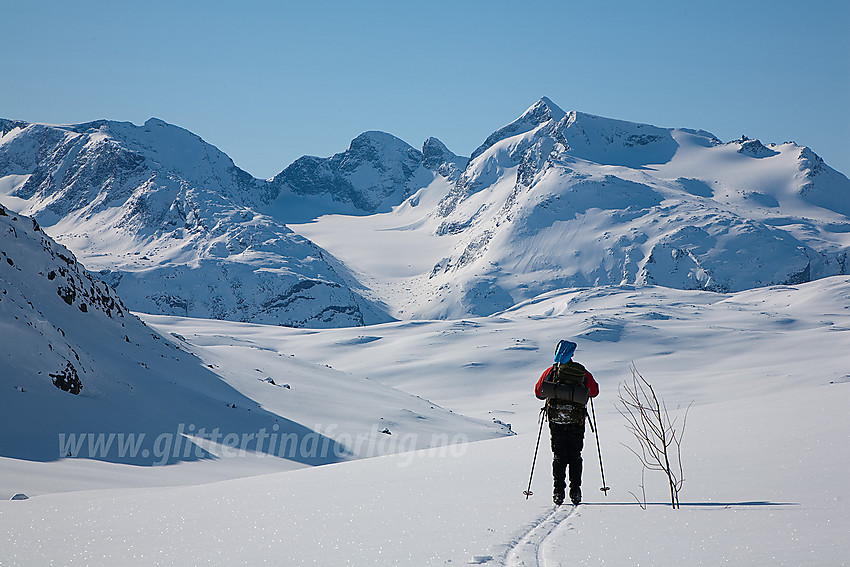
[(154, 207), (564, 199), (160, 212)]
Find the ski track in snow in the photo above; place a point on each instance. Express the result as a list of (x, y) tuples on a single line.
[(527, 550)]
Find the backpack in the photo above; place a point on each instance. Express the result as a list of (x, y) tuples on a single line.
[(566, 383), (565, 387)]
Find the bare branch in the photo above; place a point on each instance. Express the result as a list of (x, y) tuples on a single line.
[(657, 434)]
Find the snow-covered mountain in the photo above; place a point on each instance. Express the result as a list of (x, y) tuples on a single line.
[(565, 199), (170, 221), (554, 199), (377, 172), (76, 362)]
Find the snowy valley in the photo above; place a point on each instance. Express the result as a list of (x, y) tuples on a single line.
[(335, 366)]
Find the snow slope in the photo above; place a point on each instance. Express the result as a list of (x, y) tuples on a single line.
[(85, 378), (765, 450)]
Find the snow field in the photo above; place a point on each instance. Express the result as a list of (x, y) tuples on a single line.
[(765, 452)]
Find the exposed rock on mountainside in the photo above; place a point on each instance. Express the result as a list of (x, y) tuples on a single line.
[(376, 172), (63, 276)]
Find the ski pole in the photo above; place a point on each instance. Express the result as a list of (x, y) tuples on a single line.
[(595, 428), (528, 491)]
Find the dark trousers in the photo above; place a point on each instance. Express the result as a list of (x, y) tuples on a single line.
[(567, 443)]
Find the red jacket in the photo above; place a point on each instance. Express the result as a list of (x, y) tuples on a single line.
[(592, 386)]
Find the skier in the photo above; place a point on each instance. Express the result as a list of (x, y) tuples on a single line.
[(566, 413)]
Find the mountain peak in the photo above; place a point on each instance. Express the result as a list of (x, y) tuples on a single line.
[(375, 136), (375, 142), (434, 152), (437, 157), (541, 112), (154, 121), (374, 172)]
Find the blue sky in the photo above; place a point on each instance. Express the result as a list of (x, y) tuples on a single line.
[(267, 82)]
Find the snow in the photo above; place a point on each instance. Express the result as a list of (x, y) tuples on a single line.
[(554, 199), (147, 400), (557, 200), (765, 446), (174, 223), (401, 429)]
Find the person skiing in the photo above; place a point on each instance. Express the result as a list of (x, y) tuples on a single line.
[(566, 387)]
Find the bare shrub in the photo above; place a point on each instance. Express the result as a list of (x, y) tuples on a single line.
[(658, 435)]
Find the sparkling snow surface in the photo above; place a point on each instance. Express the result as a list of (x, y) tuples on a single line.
[(765, 449)]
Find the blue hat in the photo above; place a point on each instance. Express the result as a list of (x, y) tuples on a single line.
[(564, 351)]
